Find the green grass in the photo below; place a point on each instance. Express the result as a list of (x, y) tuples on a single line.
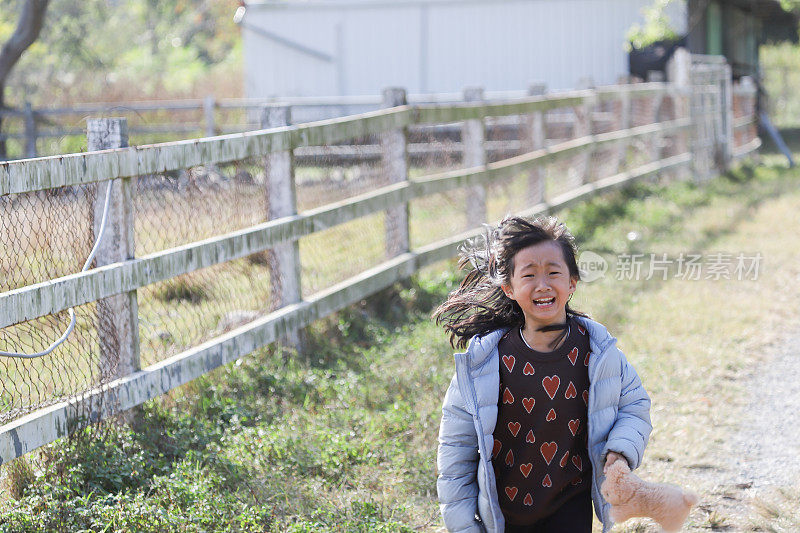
[(343, 437)]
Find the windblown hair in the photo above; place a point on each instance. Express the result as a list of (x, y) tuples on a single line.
[(479, 305)]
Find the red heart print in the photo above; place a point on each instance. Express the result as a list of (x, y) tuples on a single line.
[(571, 391), (576, 460), (564, 461), (547, 482), (548, 450), (551, 415), (574, 425), (526, 469), (528, 404), (583, 331), (585, 396), (529, 437), (509, 360), (551, 384), (528, 369), (576, 481), (528, 499), (496, 448), (573, 355), (511, 492), (507, 396), (586, 359), (510, 458), (514, 427)]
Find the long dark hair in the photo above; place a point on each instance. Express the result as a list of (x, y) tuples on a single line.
[(479, 305)]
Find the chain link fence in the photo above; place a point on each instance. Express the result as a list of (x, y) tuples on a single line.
[(560, 149)]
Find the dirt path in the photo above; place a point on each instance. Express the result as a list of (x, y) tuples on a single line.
[(765, 451), (757, 489), (735, 438)]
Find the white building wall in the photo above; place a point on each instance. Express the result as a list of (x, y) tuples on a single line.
[(435, 45)]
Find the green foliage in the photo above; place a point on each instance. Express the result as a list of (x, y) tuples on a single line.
[(19, 476), (131, 48), (780, 65), (231, 450), (790, 5), (657, 26), (341, 439)]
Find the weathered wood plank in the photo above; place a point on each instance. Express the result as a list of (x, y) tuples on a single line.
[(29, 175), (449, 180), (473, 141), (394, 167), (743, 122), (51, 296), (283, 260), (635, 90), (618, 180), (118, 315), (747, 149), (46, 425), (438, 114)]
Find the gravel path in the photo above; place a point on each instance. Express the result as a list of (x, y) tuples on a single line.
[(761, 456), (765, 451)]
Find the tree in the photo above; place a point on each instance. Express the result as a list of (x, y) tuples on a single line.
[(27, 31), (657, 26)]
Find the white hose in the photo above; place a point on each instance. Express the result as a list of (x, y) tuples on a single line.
[(71, 326)]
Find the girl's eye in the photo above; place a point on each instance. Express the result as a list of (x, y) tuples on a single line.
[(554, 273)]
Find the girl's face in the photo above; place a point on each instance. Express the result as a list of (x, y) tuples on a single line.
[(541, 284)]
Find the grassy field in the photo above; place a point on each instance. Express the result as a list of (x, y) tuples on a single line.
[(343, 438)]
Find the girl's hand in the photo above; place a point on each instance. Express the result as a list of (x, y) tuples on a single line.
[(611, 458)]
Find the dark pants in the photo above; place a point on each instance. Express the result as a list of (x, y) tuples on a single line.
[(575, 516)]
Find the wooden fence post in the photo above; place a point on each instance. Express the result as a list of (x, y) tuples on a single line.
[(395, 167), (283, 259), (657, 139), (533, 137), (621, 152), (727, 114), (679, 71), (117, 316), (748, 109), (473, 137), (582, 128), (209, 104), (30, 131)]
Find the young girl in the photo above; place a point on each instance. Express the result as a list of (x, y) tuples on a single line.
[(542, 401)]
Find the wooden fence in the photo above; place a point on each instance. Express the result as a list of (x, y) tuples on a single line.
[(669, 141), (29, 126)]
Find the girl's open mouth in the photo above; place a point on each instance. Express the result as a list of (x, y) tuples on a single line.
[(543, 302)]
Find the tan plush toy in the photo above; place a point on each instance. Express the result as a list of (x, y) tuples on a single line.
[(631, 496)]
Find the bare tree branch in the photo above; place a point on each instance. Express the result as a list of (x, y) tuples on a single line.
[(28, 28)]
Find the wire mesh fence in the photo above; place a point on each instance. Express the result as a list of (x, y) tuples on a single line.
[(189, 319)]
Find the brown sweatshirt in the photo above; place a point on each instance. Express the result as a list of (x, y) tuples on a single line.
[(539, 457)]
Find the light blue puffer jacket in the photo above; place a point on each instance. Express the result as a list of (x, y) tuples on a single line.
[(619, 421)]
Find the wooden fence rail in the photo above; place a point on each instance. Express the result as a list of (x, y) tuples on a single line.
[(56, 295), (125, 275)]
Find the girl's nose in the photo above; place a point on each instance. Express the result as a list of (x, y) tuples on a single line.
[(541, 283)]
